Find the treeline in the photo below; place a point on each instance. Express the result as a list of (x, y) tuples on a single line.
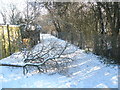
[(94, 26)]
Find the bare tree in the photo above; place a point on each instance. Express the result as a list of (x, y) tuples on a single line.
[(14, 15), (4, 16)]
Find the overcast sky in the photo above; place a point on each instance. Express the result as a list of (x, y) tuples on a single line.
[(20, 4), (5, 4)]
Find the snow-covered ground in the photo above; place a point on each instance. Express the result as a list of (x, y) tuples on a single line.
[(86, 71)]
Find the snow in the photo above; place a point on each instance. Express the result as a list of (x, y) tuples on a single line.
[(86, 71)]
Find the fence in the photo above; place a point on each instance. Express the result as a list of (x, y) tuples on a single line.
[(10, 39)]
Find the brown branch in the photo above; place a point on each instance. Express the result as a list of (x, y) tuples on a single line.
[(11, 65), (25, 70)]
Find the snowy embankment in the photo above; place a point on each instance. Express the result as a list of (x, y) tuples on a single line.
[(86, 71)]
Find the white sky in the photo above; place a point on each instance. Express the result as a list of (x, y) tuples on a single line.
[(5, 4), (20, 4)]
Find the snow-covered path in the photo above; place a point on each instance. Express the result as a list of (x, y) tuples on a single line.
[(85, 72)]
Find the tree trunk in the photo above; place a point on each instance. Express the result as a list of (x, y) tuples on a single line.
[(100, 19), (57, 27)]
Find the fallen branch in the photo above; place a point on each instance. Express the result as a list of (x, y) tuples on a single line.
[(11, 65), (48, 59), (25, 70)]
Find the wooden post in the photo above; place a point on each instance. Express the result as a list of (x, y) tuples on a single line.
[(3, 44), (9, 39)]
